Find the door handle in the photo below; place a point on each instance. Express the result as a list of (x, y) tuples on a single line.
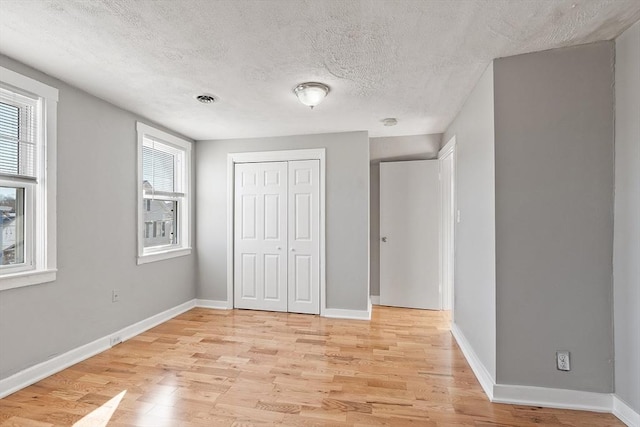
[(384, 240), (278, 248), (292, 250)]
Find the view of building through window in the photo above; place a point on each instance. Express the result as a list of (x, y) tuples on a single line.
[(11, 226), (159, 220)]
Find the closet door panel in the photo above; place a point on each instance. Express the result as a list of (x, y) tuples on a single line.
[(304, 237), (260, 236)]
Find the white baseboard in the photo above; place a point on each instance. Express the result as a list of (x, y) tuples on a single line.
[(480, 371), (211, 303), (339, 313), (625, 413), (155, 320), (375, 299), (42, 370), (552, 398), (56, 364), (542, 396)]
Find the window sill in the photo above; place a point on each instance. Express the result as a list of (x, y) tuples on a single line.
[(26, 278), (159, 256)]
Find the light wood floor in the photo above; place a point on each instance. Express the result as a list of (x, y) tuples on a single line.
[(243, 368)]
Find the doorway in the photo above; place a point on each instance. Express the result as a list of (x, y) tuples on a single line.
[(276, 231)]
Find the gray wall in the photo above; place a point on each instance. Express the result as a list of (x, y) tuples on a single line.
[(96, 235), (387, 149), (410, 147), (554, 216), (475, 280), (626, 238), (347, 216)]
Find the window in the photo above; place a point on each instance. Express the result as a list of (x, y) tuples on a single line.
[(27, 180), (164, 181)]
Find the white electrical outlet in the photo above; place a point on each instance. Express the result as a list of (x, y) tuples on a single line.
[(117, 339), (563, 360), (115, 295)]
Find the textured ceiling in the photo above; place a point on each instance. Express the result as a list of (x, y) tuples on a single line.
[(414, 60)]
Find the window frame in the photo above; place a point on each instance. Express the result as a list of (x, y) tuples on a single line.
[(184, 222), (40, 194)]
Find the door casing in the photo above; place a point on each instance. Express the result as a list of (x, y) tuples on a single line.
[(275, 156), (448, 227)]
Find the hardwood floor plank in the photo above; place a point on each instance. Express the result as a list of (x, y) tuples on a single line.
[(252, 368)]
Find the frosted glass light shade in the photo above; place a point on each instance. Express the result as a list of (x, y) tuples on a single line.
[(311, 93)]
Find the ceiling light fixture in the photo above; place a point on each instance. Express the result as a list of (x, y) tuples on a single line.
[(206, 99), (311, 93), (391, 121)]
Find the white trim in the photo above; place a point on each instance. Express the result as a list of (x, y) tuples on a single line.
[(277, 156), (26, 83), (230, 213), (162, 136), (552, 398), (375, 299), (339, 313), (448, 147), (625, 413), (27, 278), (448, 150), (480, 371), (49, 367), (150, 322), (163, 195), (159, 256), (211, 303), (42, 370), (51, 184)]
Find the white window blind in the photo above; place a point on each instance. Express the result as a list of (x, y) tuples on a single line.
[(18, 134), (158, 167)]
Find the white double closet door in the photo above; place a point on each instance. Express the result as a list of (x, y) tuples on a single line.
[(276, 236)]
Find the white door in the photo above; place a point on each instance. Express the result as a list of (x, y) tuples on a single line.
[(277, 236), (304, 236), (409, 230), (260, 236), (447, 223)]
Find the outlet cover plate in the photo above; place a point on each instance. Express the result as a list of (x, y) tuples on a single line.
[(563, 360)]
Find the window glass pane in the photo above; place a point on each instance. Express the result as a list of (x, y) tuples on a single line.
[(160, 217), (157, 169), (12, 226)]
